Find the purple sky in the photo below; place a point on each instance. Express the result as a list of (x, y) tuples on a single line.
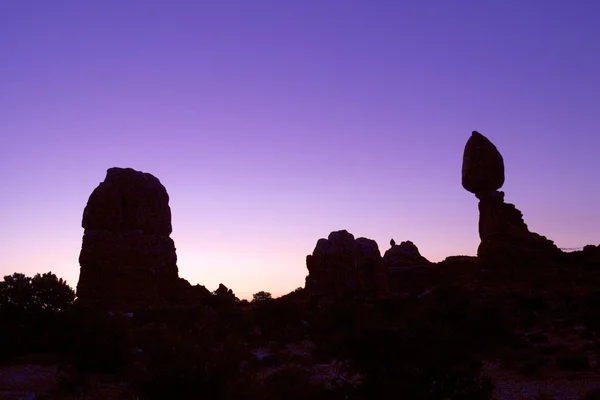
[(273, 123)]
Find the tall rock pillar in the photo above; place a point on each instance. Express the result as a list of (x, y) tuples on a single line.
[(127, 258)]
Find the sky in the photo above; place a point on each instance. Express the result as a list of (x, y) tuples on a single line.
[(273, 123)]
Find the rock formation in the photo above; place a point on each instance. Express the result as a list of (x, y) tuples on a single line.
[(403, 255), (505, 238), (483, 165), (459, 260), (341, 266), (127, 258), (589, 256)]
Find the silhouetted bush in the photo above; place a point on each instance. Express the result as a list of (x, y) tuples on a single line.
[(42, 292), (34, 315), (177, 366), (261, 296), (102, 342), (592, 395), (573, 361)]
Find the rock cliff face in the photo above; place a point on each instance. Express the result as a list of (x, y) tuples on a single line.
[(341, 266), (505, 238), (127, 258)]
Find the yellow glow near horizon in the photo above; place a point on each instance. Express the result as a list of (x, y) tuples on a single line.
[(245, 274)]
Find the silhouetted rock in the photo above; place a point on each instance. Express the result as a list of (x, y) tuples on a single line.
[(459, 260), (184, 294), (592, 251), (127, 258), (505, 238), (405, 254), (589, 255), (222, 290), (483, 165), (129, 200), (343, 266)]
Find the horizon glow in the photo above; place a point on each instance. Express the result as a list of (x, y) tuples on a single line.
[(272, 125)]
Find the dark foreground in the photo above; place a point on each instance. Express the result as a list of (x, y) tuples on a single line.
[(448, 331)]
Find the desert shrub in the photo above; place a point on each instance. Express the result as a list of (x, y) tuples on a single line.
[(42, 292), (102, 342), (532, 366), (417, 365), (429, 349), (294, 384), (533, 303), (181, 364), (175, 374), (261, 296), (573, 361), (279, 319), (34, 314), (592, 395)]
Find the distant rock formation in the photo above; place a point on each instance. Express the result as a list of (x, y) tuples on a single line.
[(341, 266), (589, 255), (505, 238), (127, 258), (223, 291), (403, 255), (463, 260)]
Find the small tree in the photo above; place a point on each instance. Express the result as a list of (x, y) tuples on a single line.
[(51, 293), (15, 292), (261, 296), (45, 292)]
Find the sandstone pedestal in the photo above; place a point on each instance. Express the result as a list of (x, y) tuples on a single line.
[(505, 238)]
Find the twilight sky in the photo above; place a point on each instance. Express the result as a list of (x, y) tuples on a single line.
[(273, 123)]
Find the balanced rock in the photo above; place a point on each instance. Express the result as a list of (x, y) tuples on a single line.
[(127, 258), (405, 254), (483, 165), (341, 266), (505, 238)]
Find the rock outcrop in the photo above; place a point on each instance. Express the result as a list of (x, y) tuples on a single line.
[(341, 266), (403, 255), (127, 258), (505, 238), (464, 260), (589, 256)]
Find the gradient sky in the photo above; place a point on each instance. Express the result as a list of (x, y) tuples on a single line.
[(273, 123)]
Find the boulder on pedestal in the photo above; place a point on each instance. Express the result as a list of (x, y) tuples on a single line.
[(505, 238)]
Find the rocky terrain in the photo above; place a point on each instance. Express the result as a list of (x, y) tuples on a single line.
[(519, 321)]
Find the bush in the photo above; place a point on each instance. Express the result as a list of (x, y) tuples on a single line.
[(34, 314), (102, 342), (573, 361), (261, 296), (42, 292)]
